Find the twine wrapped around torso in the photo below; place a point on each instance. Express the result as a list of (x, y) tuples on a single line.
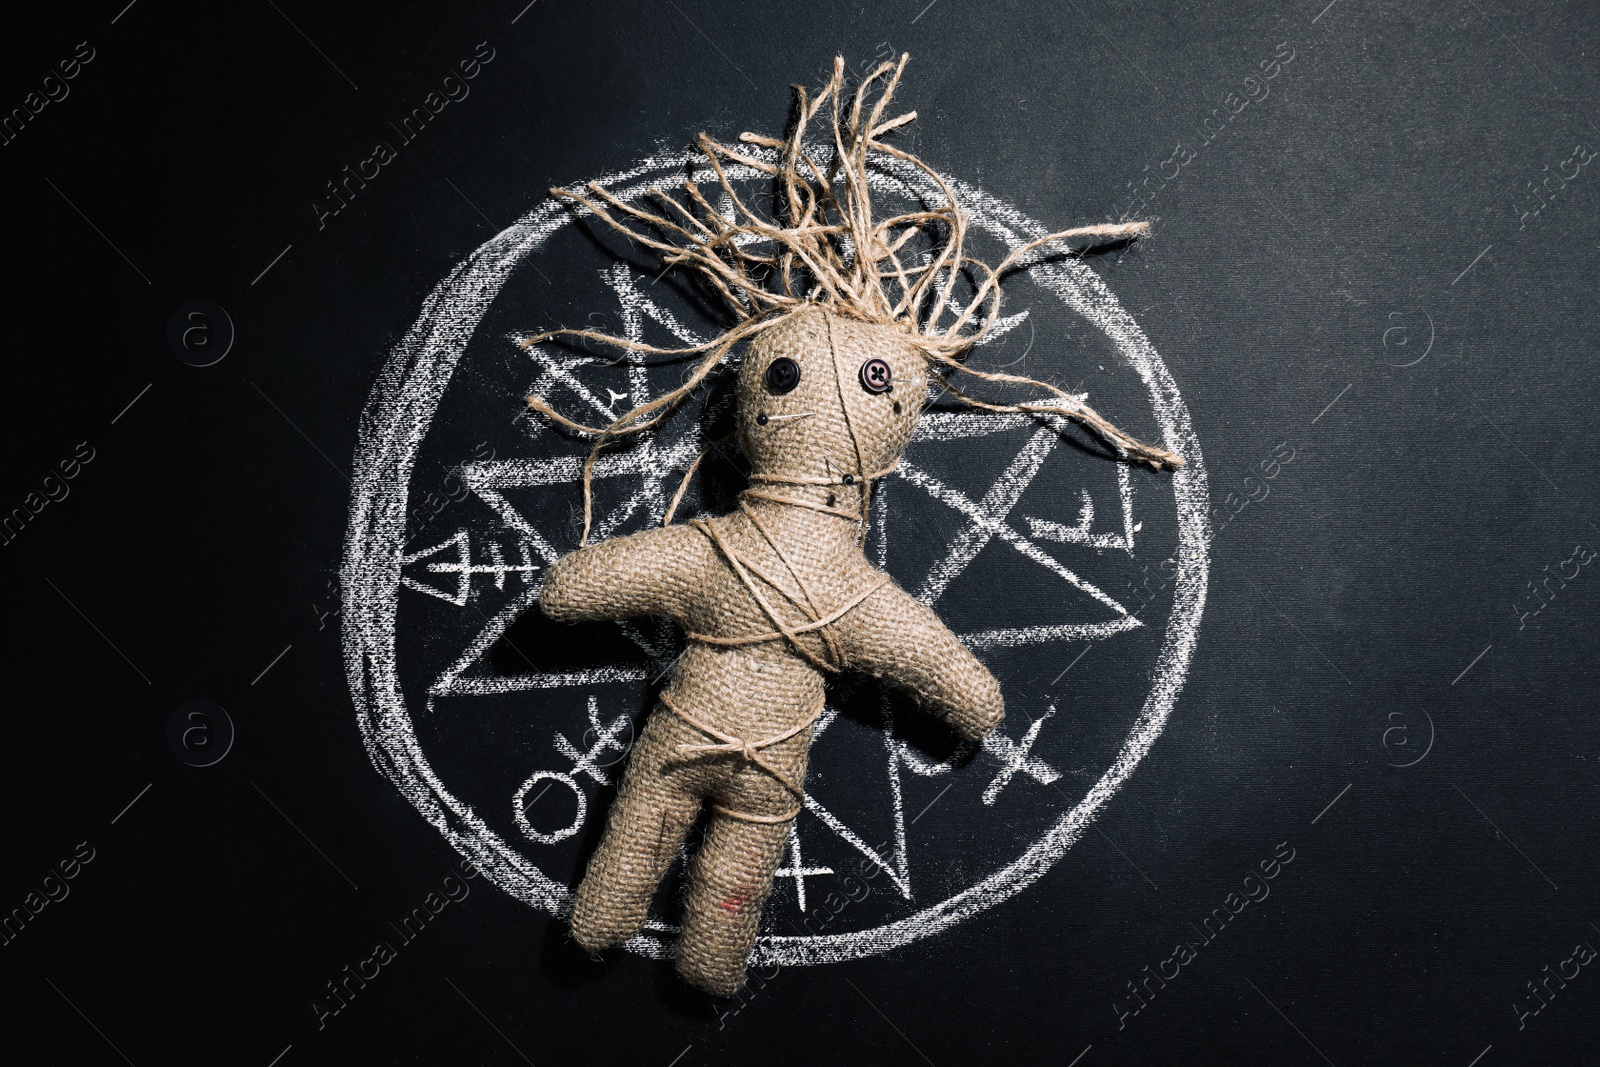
[(773, 618)]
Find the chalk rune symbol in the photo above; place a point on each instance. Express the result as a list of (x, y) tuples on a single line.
[(797, 868), (1016, 759), (463, 567), (606, 740)]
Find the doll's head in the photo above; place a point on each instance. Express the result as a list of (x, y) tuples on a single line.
[(822, 396), (821, 288)]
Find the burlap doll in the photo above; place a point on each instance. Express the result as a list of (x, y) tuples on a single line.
[(842, 315)]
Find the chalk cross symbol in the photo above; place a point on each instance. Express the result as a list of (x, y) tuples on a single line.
[(606, 740), (1015, 757), (797, 868)]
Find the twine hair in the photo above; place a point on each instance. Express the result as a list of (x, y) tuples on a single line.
[(822, 247)]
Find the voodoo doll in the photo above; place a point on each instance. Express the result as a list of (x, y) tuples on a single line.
[(842, 321)]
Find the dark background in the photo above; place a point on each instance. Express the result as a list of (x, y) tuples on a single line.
[(1383, 194)]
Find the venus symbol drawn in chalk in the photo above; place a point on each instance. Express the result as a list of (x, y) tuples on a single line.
[(507, 733)]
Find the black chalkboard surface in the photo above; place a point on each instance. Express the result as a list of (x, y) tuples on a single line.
[(1298, 762)]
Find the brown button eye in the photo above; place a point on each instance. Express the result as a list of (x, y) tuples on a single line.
[(876, 377), (783, 374)]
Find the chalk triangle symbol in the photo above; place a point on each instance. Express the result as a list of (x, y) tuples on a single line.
[(455, 553)]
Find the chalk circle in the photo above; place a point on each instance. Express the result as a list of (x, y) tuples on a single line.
[(396, 419), (200, 733), (520, 805), (200, 333)]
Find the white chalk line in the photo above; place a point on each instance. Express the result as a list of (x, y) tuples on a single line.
[(1081, 533), (1034, 635), (1016, 759), (797, 869), (988, 521)]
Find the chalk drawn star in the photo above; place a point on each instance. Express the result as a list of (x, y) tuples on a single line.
[(657, 458)]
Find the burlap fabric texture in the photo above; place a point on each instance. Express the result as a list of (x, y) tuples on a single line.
[(772, 597)]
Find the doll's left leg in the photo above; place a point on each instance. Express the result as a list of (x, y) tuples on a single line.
[(731, 880), (658, 801)]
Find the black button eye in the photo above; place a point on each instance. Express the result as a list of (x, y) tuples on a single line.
[(783, 374), (876, 377)]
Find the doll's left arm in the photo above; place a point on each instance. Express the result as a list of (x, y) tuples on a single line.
[(896, 638)]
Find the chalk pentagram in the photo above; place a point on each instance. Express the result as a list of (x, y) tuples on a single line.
[(515, 539)]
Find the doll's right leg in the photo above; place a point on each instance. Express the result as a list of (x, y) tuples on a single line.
[(653, 810)]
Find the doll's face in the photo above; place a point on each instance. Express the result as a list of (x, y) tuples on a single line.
[(817, 388)]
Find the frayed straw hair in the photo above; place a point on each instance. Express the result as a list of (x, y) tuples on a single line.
[(825, 249)]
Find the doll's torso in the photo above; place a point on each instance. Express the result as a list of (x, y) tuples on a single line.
[(806, 566)]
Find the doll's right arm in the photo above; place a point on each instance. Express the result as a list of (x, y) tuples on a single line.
[(654, 572)]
